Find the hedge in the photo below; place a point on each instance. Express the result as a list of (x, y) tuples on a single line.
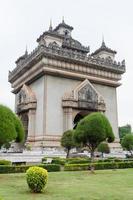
[(55, 160), (68, 167), (22, 169), (115, 160), (5, 169), (63, 161), (78, 161), (51, 167), (98, 166), (123, 165), (76, 167), (5, 162), (60, 161)]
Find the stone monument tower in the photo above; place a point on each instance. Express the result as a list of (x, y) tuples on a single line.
[(60, 82)]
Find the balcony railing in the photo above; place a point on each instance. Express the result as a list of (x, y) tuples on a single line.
[(67, 54)]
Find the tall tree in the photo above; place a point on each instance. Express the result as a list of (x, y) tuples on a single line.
[(127, 143), (11, 128), (92, 130), (123, 130), (67, 141)]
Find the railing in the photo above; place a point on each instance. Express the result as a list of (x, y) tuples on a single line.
[(69, 54)]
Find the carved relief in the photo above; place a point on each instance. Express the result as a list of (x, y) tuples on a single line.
[(84, 96), (22, 97), (88, 98), (87, 93), (53, 45), (42, 42)]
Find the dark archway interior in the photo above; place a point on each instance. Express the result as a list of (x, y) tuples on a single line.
[(25, 121), (78, 117)]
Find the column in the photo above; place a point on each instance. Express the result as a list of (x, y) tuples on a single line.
[(68, 120), (31, 125)]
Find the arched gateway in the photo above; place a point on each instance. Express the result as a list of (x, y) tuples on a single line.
[(26, 110), (81, 101), (60, 82)]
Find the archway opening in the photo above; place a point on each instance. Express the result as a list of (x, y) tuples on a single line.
[(78, 117), (25, 121)]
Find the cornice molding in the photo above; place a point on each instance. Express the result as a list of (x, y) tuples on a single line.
[(41, 69)]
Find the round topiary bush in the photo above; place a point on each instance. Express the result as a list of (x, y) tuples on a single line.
[(36, 178)]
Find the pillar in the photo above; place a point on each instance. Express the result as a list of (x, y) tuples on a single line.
[(68, 120), (31, 125)]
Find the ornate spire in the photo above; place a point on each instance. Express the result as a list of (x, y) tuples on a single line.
[(103, 42), (26, 51), (63, 20), (103, 48), (50, 26)]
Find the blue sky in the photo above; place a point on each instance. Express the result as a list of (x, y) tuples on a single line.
[(23, 21)]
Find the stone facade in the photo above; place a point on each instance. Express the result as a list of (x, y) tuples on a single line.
[(60, 81)]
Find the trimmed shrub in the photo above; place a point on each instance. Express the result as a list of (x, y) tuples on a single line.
[(5, 162), (36, 178)]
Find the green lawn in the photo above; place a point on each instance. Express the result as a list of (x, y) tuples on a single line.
[(104, 185)]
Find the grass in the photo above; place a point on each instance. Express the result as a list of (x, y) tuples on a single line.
[(104, 185)]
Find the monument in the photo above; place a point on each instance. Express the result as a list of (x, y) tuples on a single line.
[(60, 82)]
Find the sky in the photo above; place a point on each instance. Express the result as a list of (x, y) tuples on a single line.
[(23, 21)]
